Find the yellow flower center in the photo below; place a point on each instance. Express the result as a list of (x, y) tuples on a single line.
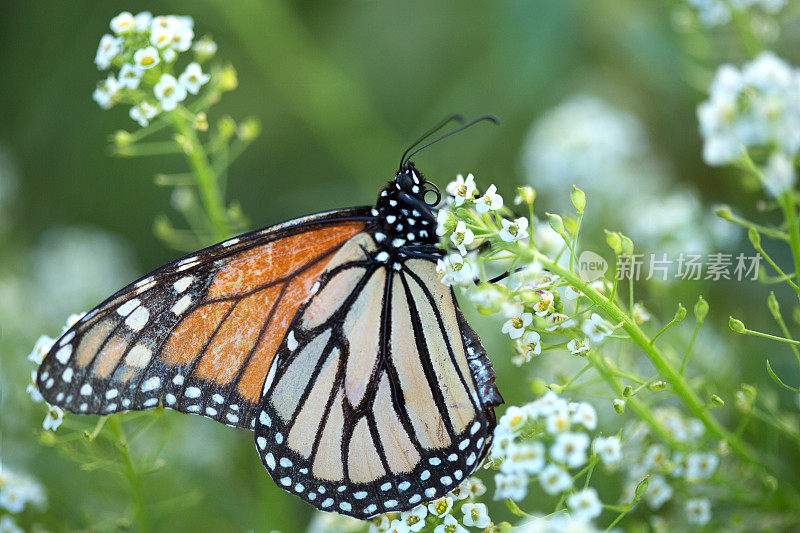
[(474, 515), (147, 60), (441, 507), (462, 190), (516, 322), (459, 238)]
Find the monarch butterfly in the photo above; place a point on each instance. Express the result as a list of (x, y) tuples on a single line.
[(329, 336)]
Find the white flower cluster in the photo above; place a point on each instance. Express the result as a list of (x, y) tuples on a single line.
[(453, 513), (18, 491), (558, 523), (544, 440), (145, 49), (671, 471), (719, 12), (55, 415), (755, 107), (605, 152)]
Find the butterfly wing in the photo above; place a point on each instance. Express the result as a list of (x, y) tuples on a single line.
[(381, 395), (199, 334)]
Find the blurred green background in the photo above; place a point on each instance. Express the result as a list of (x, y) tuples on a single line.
[(340, 88)]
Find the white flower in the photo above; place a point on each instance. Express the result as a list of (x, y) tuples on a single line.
[(514, 231), (33, 390), (183, 33), (53, 418), (476, 515), (462, 237), (142, 20), (515, 326), (655, 455), (558, 421), (701, 465), (415, 518), (193, 78), (571, 294), (608, 448), (441, 507), (658, 492), (698, 511), (445, 221), (558, 320), (108, 49), (146, 58), (596, 328), (510, 486), (570, 449), (476, 487), (123, 23), (640, 313), (545, 304), (129, 76), (780, 175), (585, 415), (169, 92), (40, 349), (12, 499), (585, 504), (489, 201), (548, 403), (398, 526), (455, 270), (8, 525), (205, 48), (514, 419), (106, 91), (161, 36), (555, 480), (143, 113), (527, 457), (530, 345), (461, 189), (577, 347), (449, 525)]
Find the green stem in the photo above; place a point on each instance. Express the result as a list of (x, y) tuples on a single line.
[(205, 177), (691, 345), (131, 476), (789, 212), (679, 385)]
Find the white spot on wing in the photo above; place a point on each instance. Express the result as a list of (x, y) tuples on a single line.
[(126, 308), (151, 384), (183, 283), (291, 342), (181, 305), (138, 318), (63, 354)]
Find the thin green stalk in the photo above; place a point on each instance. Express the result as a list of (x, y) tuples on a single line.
[(691, 345), (131, 476), (205, 177), (679, 385), (787, 204)]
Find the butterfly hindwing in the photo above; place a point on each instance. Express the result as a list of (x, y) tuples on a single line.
[(199, 334), (371, 405)]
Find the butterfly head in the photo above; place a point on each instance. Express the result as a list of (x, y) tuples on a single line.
[(404, 211)]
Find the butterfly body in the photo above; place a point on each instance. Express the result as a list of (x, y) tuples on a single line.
[(329, 336)]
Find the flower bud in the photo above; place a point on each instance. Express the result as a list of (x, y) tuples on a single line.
[(614, 241), (555, 387), (700, 310), (755, 238), (200, 122), (658, 386), (249, 129), (774, 307), (228, 79), (723, 211), (641, 489), (627, 391), (680, 314), (556, 223), (525, 194), (578, 199), (627, 245), (619, 405), (736, 325), (717, 401)]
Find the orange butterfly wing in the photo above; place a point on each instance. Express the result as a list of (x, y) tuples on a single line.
[(199, 334)]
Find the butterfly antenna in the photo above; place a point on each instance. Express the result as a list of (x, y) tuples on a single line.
[(437, 127), (490, 118)]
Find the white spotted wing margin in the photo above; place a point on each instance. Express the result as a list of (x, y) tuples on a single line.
[(381, 396), (113, 359)]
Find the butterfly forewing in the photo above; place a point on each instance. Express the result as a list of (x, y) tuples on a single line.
[(371, 405), (199, 334)]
